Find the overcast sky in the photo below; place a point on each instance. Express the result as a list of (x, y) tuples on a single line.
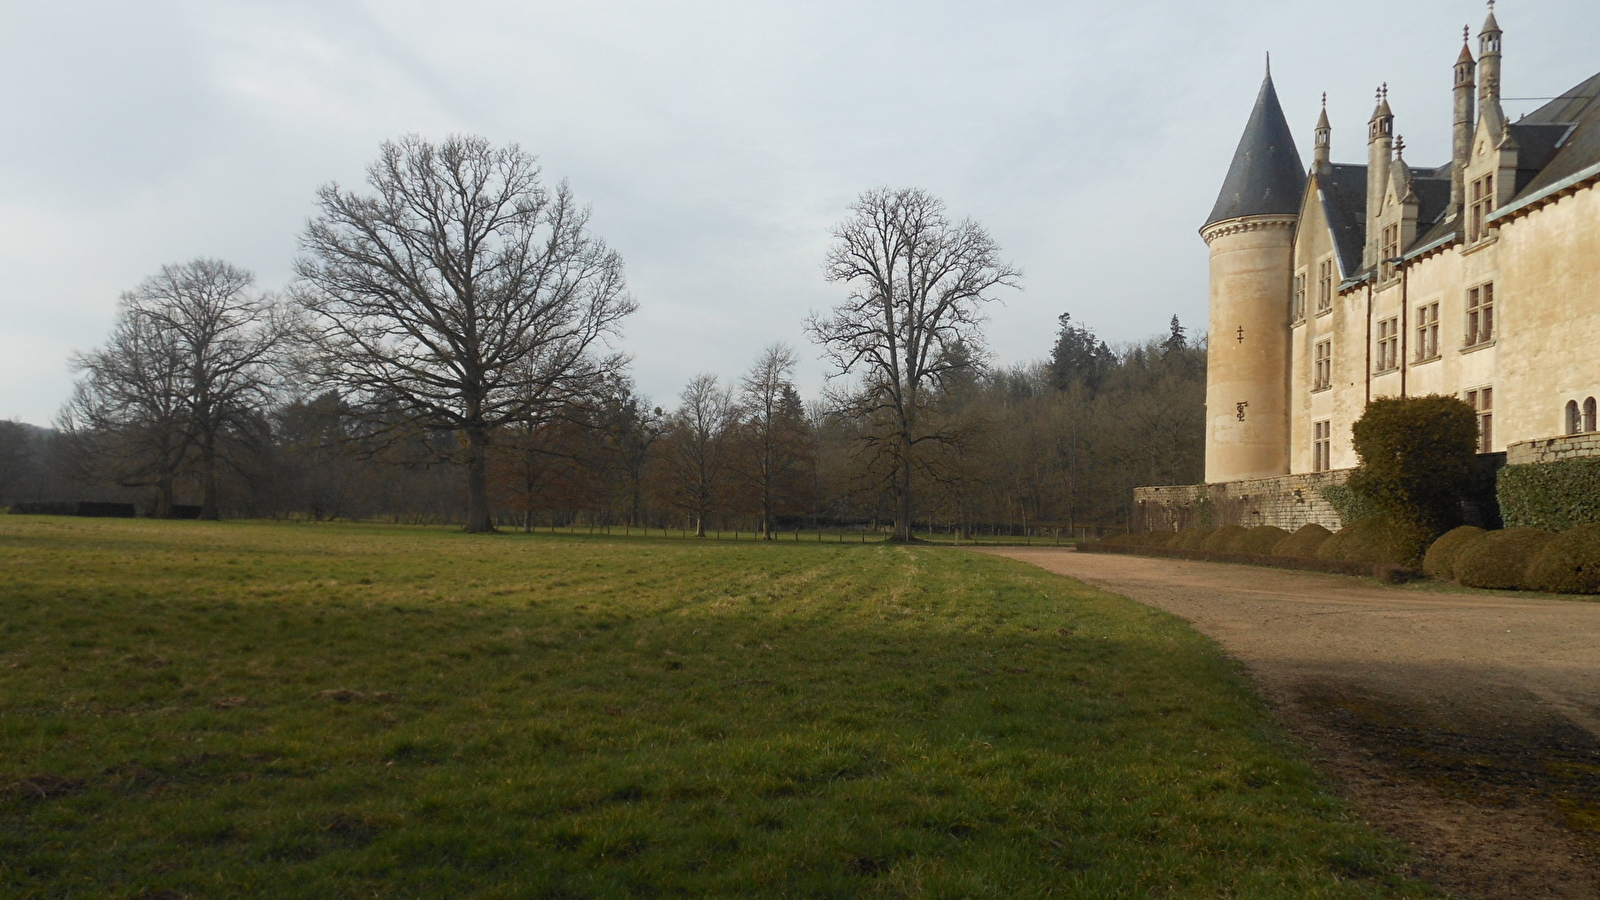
[(717, 141)]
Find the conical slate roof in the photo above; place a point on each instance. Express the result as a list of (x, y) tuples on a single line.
[(1266, 177)]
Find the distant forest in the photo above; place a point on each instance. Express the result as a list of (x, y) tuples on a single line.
[(1057, 444)]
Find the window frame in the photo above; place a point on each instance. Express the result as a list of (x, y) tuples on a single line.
[(1322, 364), (1481, 399), (1428, 331), (1479, 327)]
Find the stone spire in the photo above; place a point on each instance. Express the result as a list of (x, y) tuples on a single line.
[(1324, 139), (1266, 177), (1380, 150), (1489, 71), (1465, 122)]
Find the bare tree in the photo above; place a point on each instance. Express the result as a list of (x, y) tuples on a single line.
[(227, 337), (186, 370), (775, 424), (918, 284), (462, 291), (696, 447)]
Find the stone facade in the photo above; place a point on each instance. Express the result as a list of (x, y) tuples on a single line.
[(1287, 501), (1478, 278), (1553, 449)]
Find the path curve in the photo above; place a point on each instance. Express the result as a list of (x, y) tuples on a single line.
[(1466, 724)]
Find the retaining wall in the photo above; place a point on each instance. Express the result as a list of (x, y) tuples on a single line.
[(1287, 501)]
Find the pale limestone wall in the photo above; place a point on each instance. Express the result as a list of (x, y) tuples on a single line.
[(1551, 449), (1313, 245), (1287, 501), (1246, 382), (1545, 266), (1550, 342)]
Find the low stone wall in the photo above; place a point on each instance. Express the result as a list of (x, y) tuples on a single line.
[(1287, 501), (1553, 449)]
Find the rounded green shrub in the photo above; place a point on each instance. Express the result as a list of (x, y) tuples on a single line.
[(1569, 563), (1261, 540), (1191, 538), (1159, 538), (1222, 539), (1501, 558), (1122, 540), (1440, 560), (1416, 458), (1379, 539), (1303, 544)]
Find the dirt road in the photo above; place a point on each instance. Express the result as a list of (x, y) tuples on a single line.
[(1467, 725)]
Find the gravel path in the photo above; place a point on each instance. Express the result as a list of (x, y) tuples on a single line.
[(1466, 724)]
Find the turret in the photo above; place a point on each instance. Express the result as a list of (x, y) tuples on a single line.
[(1465, 122), (1250, 233), (1489, 73), (1323, 142), (1380, 147)]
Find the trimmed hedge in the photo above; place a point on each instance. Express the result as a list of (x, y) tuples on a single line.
[(1379, 539), (1501, 558), (1569, 563), (1440, 560), (73, 508), (1222, 540), (1190, 538), (1416, 456), (1554, 496), (1304, 543), (1261, 540)]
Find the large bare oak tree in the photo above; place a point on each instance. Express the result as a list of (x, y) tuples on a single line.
[(918, 284), (461, 291)]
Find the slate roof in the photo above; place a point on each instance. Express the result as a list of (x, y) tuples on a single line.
[(1579, 147), (1554, 142), (1266, 177), (1344, 196)]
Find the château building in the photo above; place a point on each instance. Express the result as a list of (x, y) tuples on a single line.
[(1339, 283)]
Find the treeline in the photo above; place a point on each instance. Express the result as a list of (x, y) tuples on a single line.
[(1053, 445), (447, 353)]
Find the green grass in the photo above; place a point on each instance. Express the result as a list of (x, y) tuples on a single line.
[(189, 709)]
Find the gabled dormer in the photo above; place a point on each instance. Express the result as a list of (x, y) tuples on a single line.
[(1397, 215)]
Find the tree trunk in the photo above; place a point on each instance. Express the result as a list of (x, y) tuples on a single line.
[(902, 500), (700, 526), (163, 508), (478, 521), (208, 480)]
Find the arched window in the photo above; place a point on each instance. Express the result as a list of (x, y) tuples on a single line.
[(1573, 425), (1588, 415)]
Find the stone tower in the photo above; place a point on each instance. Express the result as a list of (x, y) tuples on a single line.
[(1251, 235)]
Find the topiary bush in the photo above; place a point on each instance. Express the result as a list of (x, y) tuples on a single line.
[(1261, 540), (1379, 539), (1304, 543), (1416, 458), (1222, 539), (1159, 538), (1440, 560), (1569, 563), (1501, 558), (1191, 538), (1555, 496)]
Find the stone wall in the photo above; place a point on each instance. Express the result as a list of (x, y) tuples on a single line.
[(1287, 501), (1554, 449)]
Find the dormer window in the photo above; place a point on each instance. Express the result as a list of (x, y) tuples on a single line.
[(1391, 250), (1480, 205)]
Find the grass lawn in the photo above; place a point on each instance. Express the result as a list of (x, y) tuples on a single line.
[(258, 710)]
